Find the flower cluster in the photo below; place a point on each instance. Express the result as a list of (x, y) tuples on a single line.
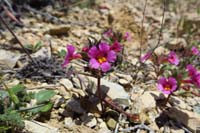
[(100, 56), (175, 79)]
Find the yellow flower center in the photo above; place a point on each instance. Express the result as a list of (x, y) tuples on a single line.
[(167, 88), (101, 59)]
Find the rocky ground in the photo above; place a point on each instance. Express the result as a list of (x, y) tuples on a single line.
[(132, 86)]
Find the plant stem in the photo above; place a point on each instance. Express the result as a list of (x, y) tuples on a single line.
[(167, 99), (99, 90)]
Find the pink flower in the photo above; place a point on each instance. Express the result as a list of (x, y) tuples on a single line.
[(116, 46), (167, 85), (108, 33), (101, 56), (145, 57), (85, 49), (196, 79), (127, 36), (194, 50), (71, 54), (173, 58), (192, 71)]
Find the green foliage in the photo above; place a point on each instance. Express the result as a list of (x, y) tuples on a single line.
[(13, 102), (44, 95), (34, 48), (11, 119), (62, 53)]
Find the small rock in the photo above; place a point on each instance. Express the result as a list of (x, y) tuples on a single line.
[(8, 59), (89, 120), (123, 82), (111, 123), (75, 106), (112, 90), (175, 101), (125, 76), (42, 53), (160, 51), (147, 100), (67, 83), (187, 118), (177, 43), (62, 91), (68, 122), (191, 101), (59, 100), (37, 127), (61, 30), (104, 130)]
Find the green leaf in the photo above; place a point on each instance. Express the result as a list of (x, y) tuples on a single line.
[(62, 53), (44, 95), (13, 97), (38, 45), (46, 107), (41, 108), (17, 88)]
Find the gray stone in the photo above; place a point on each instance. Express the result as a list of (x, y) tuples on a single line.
[(104, 130), (75, 106), (38, 127), (187, 118), (8, 59), (115, 91)]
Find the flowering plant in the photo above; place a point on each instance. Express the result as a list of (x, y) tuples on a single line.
[(176, 71), (100, 56)]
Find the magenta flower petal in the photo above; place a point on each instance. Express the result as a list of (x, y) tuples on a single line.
[(116, 46), (167, 85), (105, 66), (145, 57), (94, 63), (196, 80), (173, 58), (71, 54), (192, 71), (195, 50), (111, 56), (93, 52), (104, 47)]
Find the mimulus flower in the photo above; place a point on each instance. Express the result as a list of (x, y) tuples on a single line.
[(101, 56), (116, 46), (173, 58), (194, 50), (192, 71), (196, 80), (145, 57), (71, 54), (167, 85)]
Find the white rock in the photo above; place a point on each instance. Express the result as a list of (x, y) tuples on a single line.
[(68, 122), (147, 100), (8, 59), (66, 83), (123, 82), (104, 130), (38, 127), (89, 120), (112, 90)]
